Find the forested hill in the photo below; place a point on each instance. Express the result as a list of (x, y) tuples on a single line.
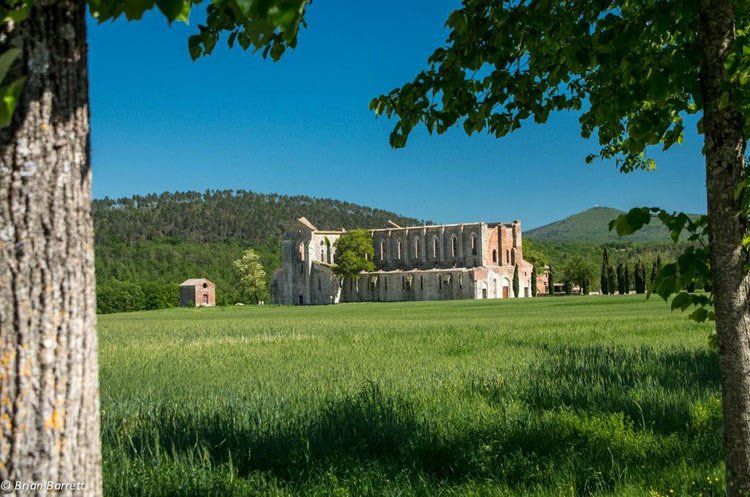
[(147, 245), (226, 216), (592, 226)]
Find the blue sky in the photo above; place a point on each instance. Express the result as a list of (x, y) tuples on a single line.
[(161, 122)]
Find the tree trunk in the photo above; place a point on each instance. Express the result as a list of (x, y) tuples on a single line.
[(49, 392), (725, 151)]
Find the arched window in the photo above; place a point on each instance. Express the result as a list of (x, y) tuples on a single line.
[(473, 244), (494, 255), (513, 256), (322, 251), (302, 251), (382, 250), (454, 246), (435, 248), (399, 250), (507, 256), (417, 251)]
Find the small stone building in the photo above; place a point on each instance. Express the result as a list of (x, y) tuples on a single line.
[(197, 292)]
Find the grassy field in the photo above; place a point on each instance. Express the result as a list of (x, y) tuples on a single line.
[(561, 397)]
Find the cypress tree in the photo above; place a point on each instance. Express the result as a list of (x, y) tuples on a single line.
[(655, 269), (611, 280), (620, 281), (640, 277), (568, 286), (550, 283), (534, 289), (604, 280), (585, 286), (627, 278), (516, 282)]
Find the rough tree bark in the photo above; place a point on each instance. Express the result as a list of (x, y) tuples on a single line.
[(725, 150), (49, 394)]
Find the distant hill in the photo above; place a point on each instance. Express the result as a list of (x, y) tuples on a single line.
[(592, 226)]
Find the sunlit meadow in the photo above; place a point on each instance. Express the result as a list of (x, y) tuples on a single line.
[(551, 396)]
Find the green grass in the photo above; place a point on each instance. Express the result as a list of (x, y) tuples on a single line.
[(562, 397)]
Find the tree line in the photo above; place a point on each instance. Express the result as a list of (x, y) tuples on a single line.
[(237, 216), (578, 274)]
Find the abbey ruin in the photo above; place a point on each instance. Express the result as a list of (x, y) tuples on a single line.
[(436, 262)]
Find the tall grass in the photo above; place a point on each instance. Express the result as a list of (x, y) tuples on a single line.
[(562, 397)]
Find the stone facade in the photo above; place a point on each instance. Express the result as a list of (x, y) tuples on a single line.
[(441, 262), (542, 281), (197, 292)]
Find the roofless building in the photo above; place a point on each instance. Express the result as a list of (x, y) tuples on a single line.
[(436, 262)]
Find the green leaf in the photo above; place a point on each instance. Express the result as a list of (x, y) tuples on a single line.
[(682, 301), (277, 50), (635, 219), (699, 315), (134, 9), (6, 60), (18, 14), (9, 95), (175, 10), (194, 46)]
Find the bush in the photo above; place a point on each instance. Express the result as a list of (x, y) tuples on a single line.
[(119, 296), (126, 296)]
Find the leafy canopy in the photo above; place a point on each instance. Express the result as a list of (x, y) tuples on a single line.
[(629, 66), (578, 270), (251, 272), (267, 25), (354, 253), (270, 25)]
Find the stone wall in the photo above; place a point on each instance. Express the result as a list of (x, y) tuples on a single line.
[(396, 286), (202, 294), (302, 251), (428, 247)]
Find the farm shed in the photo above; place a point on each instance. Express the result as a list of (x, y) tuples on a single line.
[(197, 292)]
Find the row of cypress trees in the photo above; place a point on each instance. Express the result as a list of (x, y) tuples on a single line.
[(619, 280)]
